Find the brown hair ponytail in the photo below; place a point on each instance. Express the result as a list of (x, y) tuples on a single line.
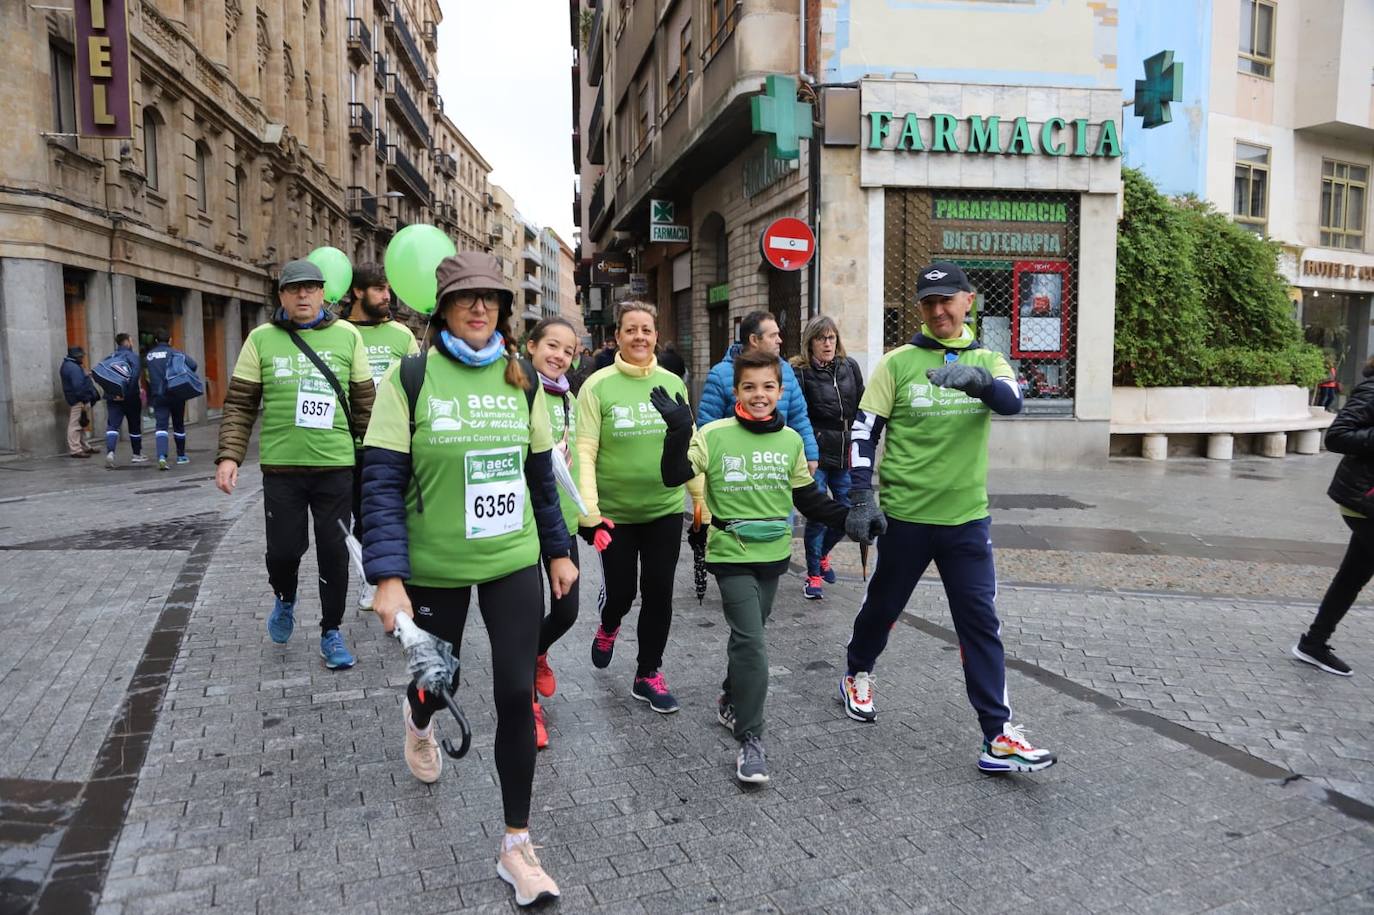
[(515, 375)]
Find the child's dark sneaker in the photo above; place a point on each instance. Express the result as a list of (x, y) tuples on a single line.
[(653, 689), (1320, 656), (725, 712), (751, 766), (826, 572)]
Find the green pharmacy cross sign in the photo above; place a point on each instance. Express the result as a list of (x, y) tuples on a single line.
[(1163, 83), (778, 112)]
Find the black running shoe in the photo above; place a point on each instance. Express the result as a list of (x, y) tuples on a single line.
[(1320, 656)]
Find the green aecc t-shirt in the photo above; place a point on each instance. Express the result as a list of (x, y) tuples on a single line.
[(473, 434), (303, 425), (935, 468), (749, 476)]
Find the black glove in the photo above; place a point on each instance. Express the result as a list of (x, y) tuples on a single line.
[(696, 537), (676, 414), (865, 521), (589, 533), (973, 380)]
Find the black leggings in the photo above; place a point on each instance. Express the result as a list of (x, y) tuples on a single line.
[(562, 610), (512, 608), (648, 552), (1356, 569)]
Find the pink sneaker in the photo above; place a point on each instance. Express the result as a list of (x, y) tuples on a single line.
[(653, 689)]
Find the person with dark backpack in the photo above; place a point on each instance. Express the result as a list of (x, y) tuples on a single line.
[(117, 374), (165, 364)]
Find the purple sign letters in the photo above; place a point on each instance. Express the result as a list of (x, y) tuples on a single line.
[(103, 98)]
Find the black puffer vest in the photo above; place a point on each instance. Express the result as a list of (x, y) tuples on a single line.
[(832, 401)]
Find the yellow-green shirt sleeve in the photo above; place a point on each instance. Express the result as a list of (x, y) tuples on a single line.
[(360, 370), (801, 472), (699, 457), (249, 365), (588, 446), (1000, 368), (878, 397), (541, 428), (390, 424), (414, 344)]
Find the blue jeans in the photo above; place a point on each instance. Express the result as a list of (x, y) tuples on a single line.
[(819, 539)]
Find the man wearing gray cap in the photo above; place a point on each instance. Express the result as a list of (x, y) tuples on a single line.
[(309, 372)]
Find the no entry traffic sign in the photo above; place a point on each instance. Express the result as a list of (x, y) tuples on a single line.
[(788, 244)]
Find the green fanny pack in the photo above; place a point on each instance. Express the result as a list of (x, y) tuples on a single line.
[(758, 531)]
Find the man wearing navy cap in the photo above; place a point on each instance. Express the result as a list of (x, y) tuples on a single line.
[(935, 396)]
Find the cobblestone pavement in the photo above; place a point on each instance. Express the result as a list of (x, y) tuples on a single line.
[(1201, 767)]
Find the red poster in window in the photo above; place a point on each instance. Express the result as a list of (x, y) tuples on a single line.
[(1040, 309)]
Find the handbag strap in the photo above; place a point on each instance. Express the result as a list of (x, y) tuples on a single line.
[(329, 376)]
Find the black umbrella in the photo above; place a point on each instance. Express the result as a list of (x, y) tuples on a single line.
[(699, 556)]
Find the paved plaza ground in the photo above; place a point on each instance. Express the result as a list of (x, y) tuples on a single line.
[(161, 755)]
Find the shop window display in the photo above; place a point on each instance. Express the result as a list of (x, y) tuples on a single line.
[(1020, 251)]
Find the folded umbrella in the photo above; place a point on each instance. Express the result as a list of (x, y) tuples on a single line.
[(435, 668), (698, 558)]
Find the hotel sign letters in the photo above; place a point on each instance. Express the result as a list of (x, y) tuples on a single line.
[(1338, 271), (104, 101), (941, 133)]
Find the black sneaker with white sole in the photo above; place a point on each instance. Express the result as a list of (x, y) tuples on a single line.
[(751, 767), (1320, 656), (725, 712)]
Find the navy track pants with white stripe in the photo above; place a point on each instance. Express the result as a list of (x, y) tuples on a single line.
[(963, 555)]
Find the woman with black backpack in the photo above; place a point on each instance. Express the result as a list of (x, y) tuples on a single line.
[(1352, 488), (833, 385)]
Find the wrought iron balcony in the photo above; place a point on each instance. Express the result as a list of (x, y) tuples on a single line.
[(379, 69), (596, 135), (359, 123), (399, 164), (382, 145), (596, 49), (359, 41), (405, 108), (362, 207), (396, 22)]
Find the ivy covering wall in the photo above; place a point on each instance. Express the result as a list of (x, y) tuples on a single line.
[(1199, 300)]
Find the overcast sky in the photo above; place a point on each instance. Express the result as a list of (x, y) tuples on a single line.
[(504, 74)]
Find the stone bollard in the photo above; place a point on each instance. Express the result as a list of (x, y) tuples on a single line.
[(1154, 447), (1274, 444), (1220, 445), (1308, 441)]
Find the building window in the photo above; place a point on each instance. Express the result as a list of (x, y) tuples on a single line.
[(239, 179), (1251, 207), (1256, 38), (63, 97), (150, 144), (1344, 196), (202, 177)]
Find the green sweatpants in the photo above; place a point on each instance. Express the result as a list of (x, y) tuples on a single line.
[(748, 601)]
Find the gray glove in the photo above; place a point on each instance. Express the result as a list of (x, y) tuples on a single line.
[(973, 380), (865, 521)]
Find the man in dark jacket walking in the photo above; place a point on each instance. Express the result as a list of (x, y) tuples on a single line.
[(165, 407), (80, 392), (126, 405), (1352, 434)]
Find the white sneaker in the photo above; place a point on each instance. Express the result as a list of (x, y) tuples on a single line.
[(519, 866), (109, 460), (139, 459), (856, 693), (421, 750), (1010, 751), (365, 596)]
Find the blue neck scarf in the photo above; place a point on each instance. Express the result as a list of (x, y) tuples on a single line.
[(309, 325), (459, 349)]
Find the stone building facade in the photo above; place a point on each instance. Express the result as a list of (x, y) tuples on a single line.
[(260, 132)]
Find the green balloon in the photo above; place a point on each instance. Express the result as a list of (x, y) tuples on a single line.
[(410, 262), (338, 272)]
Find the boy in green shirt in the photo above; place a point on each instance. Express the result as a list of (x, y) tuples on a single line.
[(755, 471)]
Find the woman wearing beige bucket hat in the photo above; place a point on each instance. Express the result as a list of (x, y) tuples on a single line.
[(459, 493)]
